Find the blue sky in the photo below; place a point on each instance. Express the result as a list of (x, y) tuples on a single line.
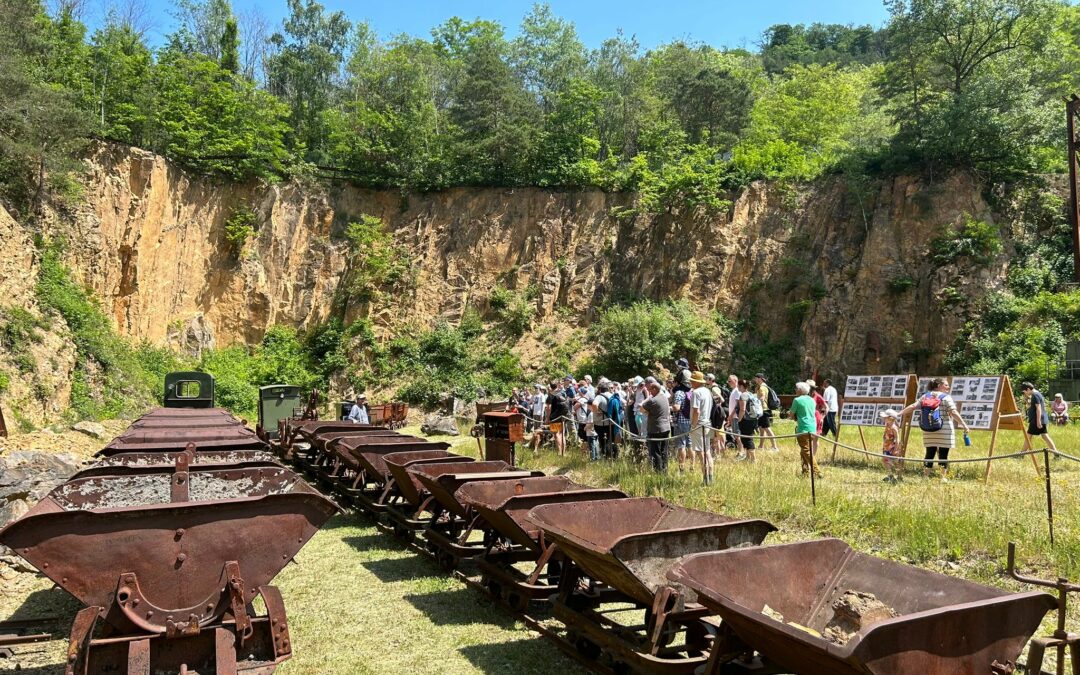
[(728, 23)]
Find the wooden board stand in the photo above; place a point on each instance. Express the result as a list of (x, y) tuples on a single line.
[(1008, 416), (1000, 413), (871, 406)]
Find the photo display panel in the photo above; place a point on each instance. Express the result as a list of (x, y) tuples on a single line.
[(867, 396), (876, 386), (975, 397), (865, 414)]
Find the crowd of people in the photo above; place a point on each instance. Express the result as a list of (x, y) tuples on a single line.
[(691, 419)]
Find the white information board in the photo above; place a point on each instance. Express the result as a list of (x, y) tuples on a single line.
[(876, 386), (975, 397), (865, 414)]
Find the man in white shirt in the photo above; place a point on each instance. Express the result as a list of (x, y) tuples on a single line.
[(358, 414), (701, 405), (832, 402)]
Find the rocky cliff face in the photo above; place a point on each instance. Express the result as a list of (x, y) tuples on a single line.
[(813, 264)]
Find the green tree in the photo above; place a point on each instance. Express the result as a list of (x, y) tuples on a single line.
[(392, 129), (494, 118), (785, 45), (547, 54), (42, 123), (230, 46), (202, 27), (965, 84), (122, 78), (811, 119), (207, 118), (305, 71)]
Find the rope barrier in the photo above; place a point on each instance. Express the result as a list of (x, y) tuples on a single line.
[(821, 439)]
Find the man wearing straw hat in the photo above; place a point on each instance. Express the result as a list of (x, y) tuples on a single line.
[(701, 405)]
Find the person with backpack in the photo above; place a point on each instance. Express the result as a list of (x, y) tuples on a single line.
[(680, 410), (556, 412), (601, 408), (770, 403), (938, 418), (748, 415)]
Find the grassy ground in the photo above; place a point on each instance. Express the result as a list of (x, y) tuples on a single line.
[(359, 602)]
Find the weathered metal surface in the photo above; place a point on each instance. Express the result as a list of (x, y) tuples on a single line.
[(505, 504), (373, 460), (443, 480), (119, 543), (944, 625), (322, 440), (1061, 640), (630, 544), (168, 458), (178, 445)]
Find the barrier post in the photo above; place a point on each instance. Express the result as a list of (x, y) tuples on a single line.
[(1049, 496)]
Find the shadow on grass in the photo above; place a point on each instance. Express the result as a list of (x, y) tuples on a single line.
[(375, 541), (460, 607), (532, 655), (391, 570)]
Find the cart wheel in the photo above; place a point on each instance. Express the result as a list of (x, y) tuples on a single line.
[(667, 635), (495, 588), (447, 560), (517, 602), (553, 572), (587, 648)]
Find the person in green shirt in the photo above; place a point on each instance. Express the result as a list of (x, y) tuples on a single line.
[(803, 409)]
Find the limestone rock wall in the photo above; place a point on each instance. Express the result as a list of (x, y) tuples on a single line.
[(812, 263)]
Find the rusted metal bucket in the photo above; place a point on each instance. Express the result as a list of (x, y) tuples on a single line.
[(183, 423), (156, 462), (504, 504), (378, 491), (624, 549), (322, 440), (342, 464), (218, 438), (442, 481), (168, 556), (943, 625), (630, 544), (373, 458)]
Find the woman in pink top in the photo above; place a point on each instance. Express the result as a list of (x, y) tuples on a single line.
[(1059, 409), (820, 406)]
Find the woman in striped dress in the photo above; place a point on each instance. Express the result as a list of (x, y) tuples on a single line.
[(939, 443)]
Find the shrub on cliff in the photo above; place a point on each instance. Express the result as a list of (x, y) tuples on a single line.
[(633, 339)]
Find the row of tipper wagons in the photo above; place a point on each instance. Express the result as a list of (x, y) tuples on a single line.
[(188, 516), (643, 585)]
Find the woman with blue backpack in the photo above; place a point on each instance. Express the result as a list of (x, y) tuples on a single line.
[(938, 419)]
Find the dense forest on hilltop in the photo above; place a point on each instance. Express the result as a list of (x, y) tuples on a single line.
[(946, 84)]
